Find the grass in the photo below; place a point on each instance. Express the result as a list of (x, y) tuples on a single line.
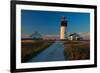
[(30, 48), (77, 50)]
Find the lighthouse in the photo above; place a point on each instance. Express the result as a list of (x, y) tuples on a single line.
[(63, 28)]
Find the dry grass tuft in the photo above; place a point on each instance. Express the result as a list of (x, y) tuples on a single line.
[(77, 50), (31, 48)]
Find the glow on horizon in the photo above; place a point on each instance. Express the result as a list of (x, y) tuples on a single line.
[(49, 22)]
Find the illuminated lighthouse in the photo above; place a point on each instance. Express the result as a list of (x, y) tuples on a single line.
[(63, 28)]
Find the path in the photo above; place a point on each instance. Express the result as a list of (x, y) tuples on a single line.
[(53, 53)]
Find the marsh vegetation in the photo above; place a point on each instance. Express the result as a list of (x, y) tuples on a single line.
[(30, 48), (77, 50), (73, 50)]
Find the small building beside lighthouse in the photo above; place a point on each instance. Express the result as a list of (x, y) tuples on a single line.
[(63, 28)]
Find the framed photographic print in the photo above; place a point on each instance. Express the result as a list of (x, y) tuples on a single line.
[(51, 36)]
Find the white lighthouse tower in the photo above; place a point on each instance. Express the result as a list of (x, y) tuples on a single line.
[(63, 28)]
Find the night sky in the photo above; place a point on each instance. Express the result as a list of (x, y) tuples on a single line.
[(48, 22)]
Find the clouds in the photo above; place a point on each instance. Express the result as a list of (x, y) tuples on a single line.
[(85, 35), (49, 22)]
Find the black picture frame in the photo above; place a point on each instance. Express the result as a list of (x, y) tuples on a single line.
[(13, 35)]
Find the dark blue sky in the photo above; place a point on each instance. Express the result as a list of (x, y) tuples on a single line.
[(48, 22)]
